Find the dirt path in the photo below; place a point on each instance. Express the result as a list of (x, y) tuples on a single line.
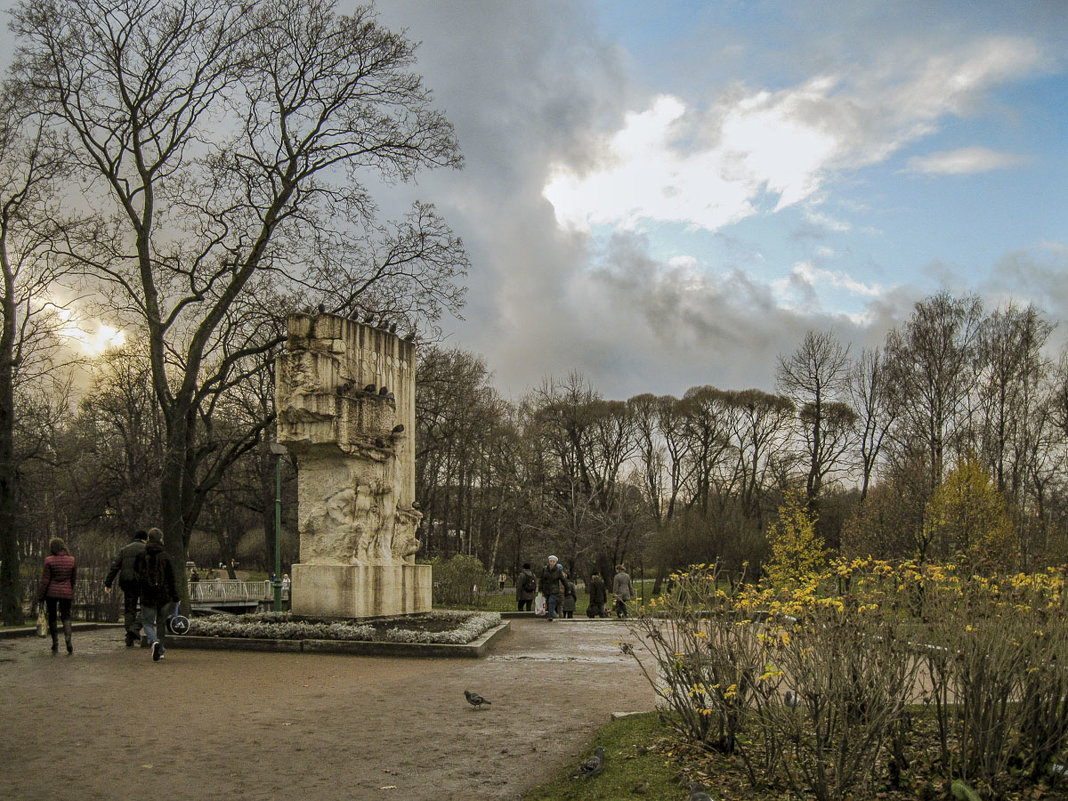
[(108, 723)]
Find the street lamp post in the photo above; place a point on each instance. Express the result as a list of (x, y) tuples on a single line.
[(278, 451)]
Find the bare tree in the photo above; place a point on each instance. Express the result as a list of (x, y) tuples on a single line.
[(932, 362), (28, 335), (758, 429), (870, 394), (649, 450), (223, 145), (1011, 344), (588, 508), (714, 467), (815, 377), (118, 439)]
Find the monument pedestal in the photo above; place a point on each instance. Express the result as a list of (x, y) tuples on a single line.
[(347, 591)]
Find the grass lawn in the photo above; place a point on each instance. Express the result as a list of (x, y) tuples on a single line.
[(638, 765), (645, 760)]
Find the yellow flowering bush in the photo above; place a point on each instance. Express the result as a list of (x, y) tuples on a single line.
[(809, 683)]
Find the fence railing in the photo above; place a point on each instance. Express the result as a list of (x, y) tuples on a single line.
[(221, 590)]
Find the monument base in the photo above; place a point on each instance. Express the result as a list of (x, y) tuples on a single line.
[(348, 591)]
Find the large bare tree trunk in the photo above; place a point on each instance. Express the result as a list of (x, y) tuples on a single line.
[(10, 587)]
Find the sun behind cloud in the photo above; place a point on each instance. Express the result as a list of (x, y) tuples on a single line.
[(95, 338)]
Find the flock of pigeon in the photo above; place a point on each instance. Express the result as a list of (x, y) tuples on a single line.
[(594, 764), (383, 323)]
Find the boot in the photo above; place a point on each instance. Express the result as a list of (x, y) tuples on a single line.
[(67, 631), (55, 642)]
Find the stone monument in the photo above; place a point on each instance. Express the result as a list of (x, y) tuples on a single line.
[(345, 397)]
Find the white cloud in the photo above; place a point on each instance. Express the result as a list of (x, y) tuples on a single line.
[(811, 275), (647, 177), (963, 161), (787, 143)]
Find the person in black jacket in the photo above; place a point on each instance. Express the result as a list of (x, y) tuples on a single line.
[(598, 596), (155, 571), (526, 587), (125, 567)]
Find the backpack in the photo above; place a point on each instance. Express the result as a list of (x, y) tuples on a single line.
[(529, 583), (150, 572)]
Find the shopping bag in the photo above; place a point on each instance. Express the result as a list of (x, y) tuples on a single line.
[(42, 623), (539, 604)]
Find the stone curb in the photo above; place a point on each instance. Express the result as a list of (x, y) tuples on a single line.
[(472, 650)]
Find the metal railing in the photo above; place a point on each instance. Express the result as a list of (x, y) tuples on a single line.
[(221, 590)]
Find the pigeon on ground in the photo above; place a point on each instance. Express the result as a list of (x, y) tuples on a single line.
[(592, 766), (475, 699), (697, 793), (791, 699)]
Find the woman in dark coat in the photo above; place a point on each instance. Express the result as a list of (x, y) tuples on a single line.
[(598, 596), (526, 587), (57, 590)]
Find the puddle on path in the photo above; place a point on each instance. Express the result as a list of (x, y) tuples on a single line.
[(602, 660)]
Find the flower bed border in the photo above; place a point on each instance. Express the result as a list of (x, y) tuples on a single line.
[(476, 648)]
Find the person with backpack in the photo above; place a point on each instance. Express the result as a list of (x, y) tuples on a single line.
[(526, 587), (155, 572), (56, 590), (125, 568)]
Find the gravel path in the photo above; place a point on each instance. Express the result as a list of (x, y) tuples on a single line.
[(108, 723)]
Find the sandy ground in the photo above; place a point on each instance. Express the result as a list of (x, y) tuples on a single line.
[(108, 723)]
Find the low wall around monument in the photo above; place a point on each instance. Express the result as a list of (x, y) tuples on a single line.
[(348, 591)]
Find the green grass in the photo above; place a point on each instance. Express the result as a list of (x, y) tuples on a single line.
[(634, 769)]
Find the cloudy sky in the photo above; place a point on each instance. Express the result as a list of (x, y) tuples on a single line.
[(666, 194)]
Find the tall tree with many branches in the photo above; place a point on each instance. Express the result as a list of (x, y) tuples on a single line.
[(29, 323), (225, 148)]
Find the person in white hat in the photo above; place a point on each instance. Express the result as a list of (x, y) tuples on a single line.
[(551, 585)]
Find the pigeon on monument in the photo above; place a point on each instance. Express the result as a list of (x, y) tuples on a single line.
[(592, 766), (393, 328), (343, 388), (383, 391), (697, 793), (322, 308), (475, 699), (370, 388), (398, 428)]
